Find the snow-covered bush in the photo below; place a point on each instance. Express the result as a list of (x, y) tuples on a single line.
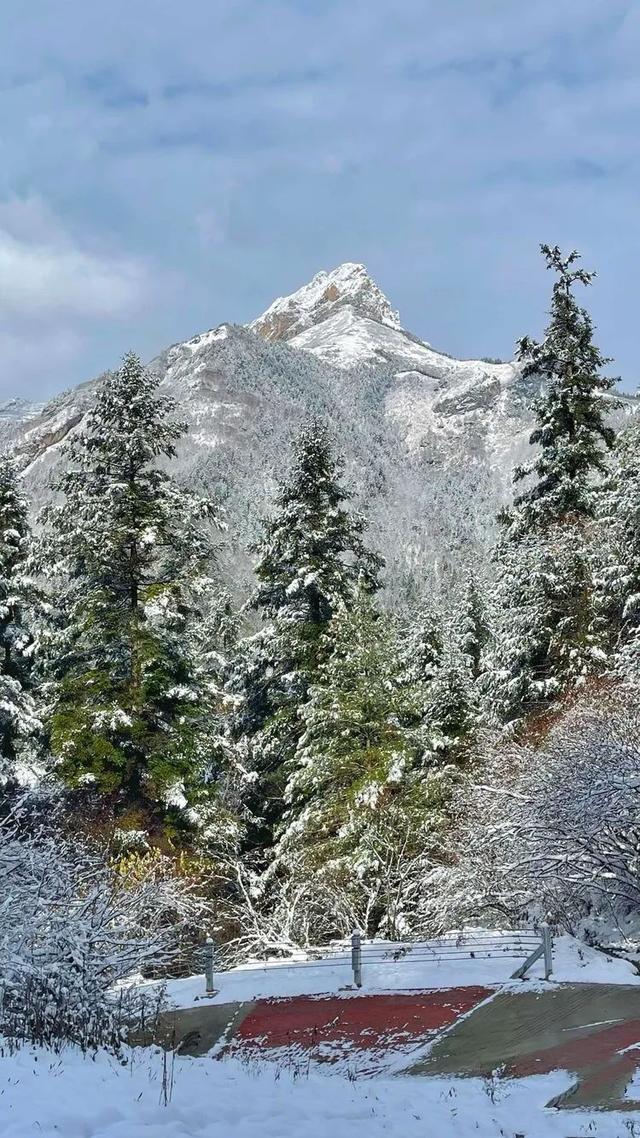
[(553, 830), (292, 908), (73, 926)]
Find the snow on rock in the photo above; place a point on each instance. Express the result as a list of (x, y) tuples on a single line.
[(205, 338), (334, 349), (19, 410), (347, 339), (349, 284)]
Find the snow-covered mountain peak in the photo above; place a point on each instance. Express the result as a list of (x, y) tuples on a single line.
[(424, 435), (347, 286)]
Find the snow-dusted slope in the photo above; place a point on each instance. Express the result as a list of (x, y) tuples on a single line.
[(14, 414), (19, 410), (429, 441), (343, 318), (346, 338)]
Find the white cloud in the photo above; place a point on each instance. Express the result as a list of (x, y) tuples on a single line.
[(56, 297), (44, 275), (49, 281)]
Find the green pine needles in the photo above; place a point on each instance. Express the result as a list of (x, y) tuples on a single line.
[(129, 549), (572, 432)]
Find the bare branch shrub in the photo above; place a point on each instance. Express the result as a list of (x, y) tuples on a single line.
[(553, 831), (73, 927), (296, 907)]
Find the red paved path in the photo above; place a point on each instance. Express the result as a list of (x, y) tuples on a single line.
[(366, 1023)]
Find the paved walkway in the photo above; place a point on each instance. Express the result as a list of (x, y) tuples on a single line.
[(590, 1030)]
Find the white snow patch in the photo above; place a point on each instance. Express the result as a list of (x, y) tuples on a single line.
[(205, 338), (572, 962), (350, 283), (70, 1096)]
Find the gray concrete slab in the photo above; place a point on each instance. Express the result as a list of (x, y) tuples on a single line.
[(590, 1030), (194, 1031), (513, 1025)]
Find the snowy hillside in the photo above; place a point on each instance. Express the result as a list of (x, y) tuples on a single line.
[(429, 441), (14, 413)]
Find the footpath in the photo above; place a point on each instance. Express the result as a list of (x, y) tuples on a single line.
[(467, 1019)]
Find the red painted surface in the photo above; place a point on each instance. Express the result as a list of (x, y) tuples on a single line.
[(604, 1045), (363, 1022)]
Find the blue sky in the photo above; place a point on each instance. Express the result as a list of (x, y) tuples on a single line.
[(167, 166)]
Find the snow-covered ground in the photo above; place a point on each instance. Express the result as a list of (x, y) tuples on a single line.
[(44, 1096), (67, 1096), (573, 962)]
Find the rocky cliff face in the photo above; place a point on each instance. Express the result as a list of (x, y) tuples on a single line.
[(347, 287), (429, 441)]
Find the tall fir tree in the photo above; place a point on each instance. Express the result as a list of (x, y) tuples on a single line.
[(545, 629), (435, 668), (128, 551), (450, 711), (422, 645), (20, 726), (544, 637), (363, 799), (312, 556), (312, 559), (471, 632), (572, 434)]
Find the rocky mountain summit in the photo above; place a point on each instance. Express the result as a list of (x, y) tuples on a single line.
[(429, 441), (349, 287)]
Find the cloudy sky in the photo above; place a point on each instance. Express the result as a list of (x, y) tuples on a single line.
[(166, 166)]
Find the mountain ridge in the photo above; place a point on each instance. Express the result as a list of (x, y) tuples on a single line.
[(429, 441)]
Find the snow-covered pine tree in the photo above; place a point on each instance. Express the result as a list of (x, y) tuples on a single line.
[(312, 555), (19, 722), (545, 629), (572, 433), (312, 558), (434, 667), (363, 802), (471, 632), (421, 648), (126, 551), (619, 563), (517, 675), (450, 709)]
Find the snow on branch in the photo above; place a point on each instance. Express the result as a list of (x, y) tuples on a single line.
[(73, 927), (553, 831)]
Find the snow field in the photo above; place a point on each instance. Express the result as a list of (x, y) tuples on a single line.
[(68, 1096), (43, 1095)]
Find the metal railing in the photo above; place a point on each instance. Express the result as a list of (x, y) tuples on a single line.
[(464, 946), (525, 945)]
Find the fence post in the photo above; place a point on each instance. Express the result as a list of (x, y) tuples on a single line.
[(548, 950), (208, 966), (356, 957)]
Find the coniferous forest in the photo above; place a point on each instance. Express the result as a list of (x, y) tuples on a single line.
[(312, 758)]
